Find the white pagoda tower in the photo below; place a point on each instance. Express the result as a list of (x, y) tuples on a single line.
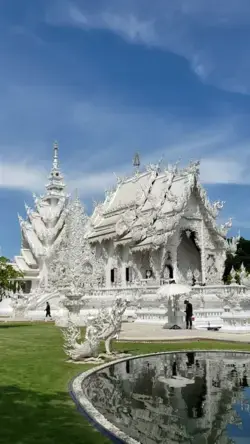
[(43, 229)]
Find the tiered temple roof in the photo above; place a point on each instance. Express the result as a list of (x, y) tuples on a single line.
[(43, 228), (145, 209)]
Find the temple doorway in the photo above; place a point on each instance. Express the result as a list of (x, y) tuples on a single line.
[(168, 272), (188, 255)]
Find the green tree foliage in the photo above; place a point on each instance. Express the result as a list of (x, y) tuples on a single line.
[(242, 256), (8, 277)]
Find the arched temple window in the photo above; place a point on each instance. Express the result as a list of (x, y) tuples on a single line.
[(113, 275)]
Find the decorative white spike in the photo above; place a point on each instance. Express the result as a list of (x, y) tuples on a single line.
[(27, 208), (21, 221)]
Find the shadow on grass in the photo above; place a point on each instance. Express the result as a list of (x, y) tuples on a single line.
[(30, 417), (2, 326)]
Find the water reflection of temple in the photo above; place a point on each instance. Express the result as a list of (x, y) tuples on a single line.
[(137, 396)]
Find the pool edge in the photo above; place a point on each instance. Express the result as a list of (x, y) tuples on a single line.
[(94, 417)]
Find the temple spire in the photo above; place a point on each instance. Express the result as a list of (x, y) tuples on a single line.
[(56, 184), (55, 156)]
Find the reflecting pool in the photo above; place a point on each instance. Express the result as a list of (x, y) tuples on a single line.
[(198, 398)]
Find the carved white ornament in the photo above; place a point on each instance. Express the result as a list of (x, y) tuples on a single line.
[(105, 327)]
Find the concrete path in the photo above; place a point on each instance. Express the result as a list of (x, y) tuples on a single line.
[(154, 332), (149, 332)]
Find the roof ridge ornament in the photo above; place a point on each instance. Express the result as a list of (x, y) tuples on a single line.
[(136, 161), (154, 167), (192, 168)]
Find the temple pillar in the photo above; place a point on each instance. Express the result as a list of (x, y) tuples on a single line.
[(173, 247), (124, 254), (203, 254), (107, 273), (174, 262)]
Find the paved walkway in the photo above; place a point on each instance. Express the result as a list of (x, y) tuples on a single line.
[(149, 332), (154, 332)]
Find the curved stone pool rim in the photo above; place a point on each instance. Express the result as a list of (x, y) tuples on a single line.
[(97, 420)]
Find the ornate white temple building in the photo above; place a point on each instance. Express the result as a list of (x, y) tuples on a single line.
[(153, 227), (157, 224)]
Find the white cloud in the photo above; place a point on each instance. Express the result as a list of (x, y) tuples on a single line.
[(122, 132), (91, 183), (21, 176), (212, 35), (28, 177), (222, 171)]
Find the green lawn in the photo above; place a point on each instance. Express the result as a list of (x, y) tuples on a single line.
[(35, 406)]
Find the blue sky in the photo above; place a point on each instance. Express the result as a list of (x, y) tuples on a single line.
[(107, 78)]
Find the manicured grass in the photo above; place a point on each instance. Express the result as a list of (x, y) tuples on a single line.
[(35, 406)]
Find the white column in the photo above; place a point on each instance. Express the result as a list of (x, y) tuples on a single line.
[(174, 261), (203, 258), (124, 264)]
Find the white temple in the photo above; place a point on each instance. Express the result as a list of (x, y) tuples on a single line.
[(43, 230), (159, 225), (154, 226)]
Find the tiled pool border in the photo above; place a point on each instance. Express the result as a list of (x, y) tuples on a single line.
[(98, 420)]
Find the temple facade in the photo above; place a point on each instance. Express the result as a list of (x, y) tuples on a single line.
[(154, 226), (159, 225)]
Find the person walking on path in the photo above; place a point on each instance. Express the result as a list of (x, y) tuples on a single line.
[(47, 310), (189, 314)]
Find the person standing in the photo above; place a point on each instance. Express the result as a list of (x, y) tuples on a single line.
[(189, 314), (47, 310)]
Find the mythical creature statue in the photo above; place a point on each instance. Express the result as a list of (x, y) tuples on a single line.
[(244, 276), (19, 304), (104, 327), (76, 350), (233, 244), (110, 322)]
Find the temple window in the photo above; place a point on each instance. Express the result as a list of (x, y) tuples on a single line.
[(149, 274), (128, 273), (113, 275), (27, 287)]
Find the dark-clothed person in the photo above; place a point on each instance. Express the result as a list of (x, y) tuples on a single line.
[(189, 314), (47, 310)]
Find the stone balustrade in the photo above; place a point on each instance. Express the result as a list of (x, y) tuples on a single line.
[(218, 288), (156, 283)]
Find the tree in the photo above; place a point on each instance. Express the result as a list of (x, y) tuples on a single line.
[(242, 256), (9, 278)]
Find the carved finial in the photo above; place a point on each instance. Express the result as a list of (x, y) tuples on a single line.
[(233, 275), (136, 161), (55, 156), (20, 219)]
